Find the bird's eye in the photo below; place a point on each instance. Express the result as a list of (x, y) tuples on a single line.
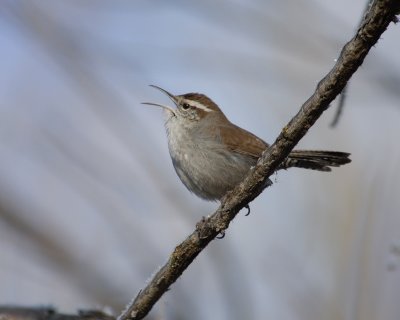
[(185, 106)]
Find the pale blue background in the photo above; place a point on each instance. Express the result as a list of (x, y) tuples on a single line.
[(90, 205)]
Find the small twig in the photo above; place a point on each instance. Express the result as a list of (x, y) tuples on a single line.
[(382, 12), (340, 106), (343, 94)]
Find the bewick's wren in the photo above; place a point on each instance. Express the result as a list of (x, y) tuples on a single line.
[(211, 155)]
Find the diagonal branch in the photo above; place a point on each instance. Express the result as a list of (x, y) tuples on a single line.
[(381, 13)]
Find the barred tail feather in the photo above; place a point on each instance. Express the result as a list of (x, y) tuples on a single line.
[(315, 159)]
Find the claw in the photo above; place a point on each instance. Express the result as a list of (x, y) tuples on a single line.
[(248, 210), (221, 235)]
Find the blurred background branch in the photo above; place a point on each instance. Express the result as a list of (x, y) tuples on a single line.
[(42, 313)]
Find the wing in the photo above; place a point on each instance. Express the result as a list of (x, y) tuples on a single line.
[(241, 141)]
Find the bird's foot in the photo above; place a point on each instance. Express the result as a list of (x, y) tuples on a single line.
[(248, 210)]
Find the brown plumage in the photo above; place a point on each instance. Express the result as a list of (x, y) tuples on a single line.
[(211, 155), (243, 142)]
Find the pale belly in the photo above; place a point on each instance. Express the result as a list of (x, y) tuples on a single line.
[(209, 172)]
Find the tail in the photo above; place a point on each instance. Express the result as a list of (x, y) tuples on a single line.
[(315, 159)]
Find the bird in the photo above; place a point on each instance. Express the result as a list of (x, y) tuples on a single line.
[(211, 155)]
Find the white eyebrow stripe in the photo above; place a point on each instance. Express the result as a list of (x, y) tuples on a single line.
[(198, 105)]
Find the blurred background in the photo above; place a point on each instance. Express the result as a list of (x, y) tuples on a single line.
[(90, 205)]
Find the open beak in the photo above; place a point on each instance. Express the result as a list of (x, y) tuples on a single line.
[(171, 96)]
